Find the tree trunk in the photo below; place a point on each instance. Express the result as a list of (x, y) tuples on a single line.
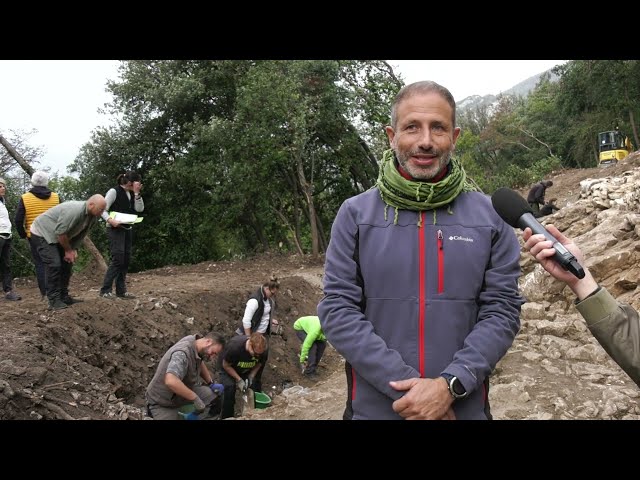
[(286, 222), (634, 128), (530, 134), (18, 158), (371, 157), (102, 265), (321, 235), (296, 211), (258, 228), (99, 259), (307, 190)]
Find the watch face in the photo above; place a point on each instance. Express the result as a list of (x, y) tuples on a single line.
[(456, 388)]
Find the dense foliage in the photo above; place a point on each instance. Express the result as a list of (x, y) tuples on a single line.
[(245, 156)]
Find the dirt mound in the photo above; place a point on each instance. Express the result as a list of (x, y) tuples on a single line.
[(94, 359)]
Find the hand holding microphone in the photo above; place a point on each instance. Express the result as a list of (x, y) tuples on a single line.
[(514, 210), (543, 253)]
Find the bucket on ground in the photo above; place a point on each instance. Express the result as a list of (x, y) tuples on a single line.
[(262, 400), (187, 412)]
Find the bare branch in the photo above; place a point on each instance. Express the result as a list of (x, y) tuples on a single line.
[(530, 134)]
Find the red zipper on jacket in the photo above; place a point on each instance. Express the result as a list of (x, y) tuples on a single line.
[(421, 292), (353, 384), (440, 262)]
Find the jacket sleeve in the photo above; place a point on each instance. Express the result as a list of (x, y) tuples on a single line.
[(249, 311), (312, 336), (110, 197), (19, 219), (341, 312), (617, 327), (499, 304)]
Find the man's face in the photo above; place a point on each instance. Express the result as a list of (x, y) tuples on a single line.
[(255, 352), (424, 137), (212, 349), (97, 207)]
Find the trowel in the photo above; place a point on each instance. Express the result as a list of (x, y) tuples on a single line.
[(249, 400)]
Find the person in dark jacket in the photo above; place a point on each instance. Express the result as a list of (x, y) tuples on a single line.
[(547, 209), (179, 377), (36, 201), (536, 195), (258, 317), (614, 324), (124, 198), (421, 276)]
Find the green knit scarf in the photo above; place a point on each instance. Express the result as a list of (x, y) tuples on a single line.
[(402, 194)]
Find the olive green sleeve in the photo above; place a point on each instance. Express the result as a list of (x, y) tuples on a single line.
[(617, 327)]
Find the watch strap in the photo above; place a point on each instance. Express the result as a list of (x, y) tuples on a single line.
[(456, 389)]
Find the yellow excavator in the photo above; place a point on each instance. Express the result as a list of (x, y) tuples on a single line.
[(612, 147)]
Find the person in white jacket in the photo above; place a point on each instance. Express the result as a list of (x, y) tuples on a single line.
[(5, 247)]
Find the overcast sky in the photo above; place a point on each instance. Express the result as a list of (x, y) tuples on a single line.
[(472, 77), (61, 98)]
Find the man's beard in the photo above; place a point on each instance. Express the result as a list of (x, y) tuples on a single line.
[(422, 173)]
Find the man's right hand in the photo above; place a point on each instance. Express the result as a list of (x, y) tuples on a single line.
[(70, 256), (241, 385), (199, 405)]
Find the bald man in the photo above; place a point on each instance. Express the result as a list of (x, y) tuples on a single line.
[(57, 234)]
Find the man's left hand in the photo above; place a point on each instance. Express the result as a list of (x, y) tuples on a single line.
[(426, 399), (217, 388)]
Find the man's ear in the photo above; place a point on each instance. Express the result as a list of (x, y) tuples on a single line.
[(456, 134), (391, 134)]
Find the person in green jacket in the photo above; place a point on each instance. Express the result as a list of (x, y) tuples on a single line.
[(614, 324), (314, 342)]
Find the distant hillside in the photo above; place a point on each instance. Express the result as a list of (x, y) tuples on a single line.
[(521, 89)]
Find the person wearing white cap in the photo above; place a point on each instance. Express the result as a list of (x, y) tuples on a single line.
[(5, 247), (36, 201)]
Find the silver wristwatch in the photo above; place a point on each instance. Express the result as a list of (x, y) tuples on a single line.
[(455, 387)]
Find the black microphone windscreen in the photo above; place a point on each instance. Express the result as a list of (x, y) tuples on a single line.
[(509, 205)]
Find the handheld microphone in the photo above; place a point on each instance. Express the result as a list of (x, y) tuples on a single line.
[(515, 210)]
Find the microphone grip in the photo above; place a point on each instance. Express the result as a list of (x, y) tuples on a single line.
[(563, 256), (575, 268)]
